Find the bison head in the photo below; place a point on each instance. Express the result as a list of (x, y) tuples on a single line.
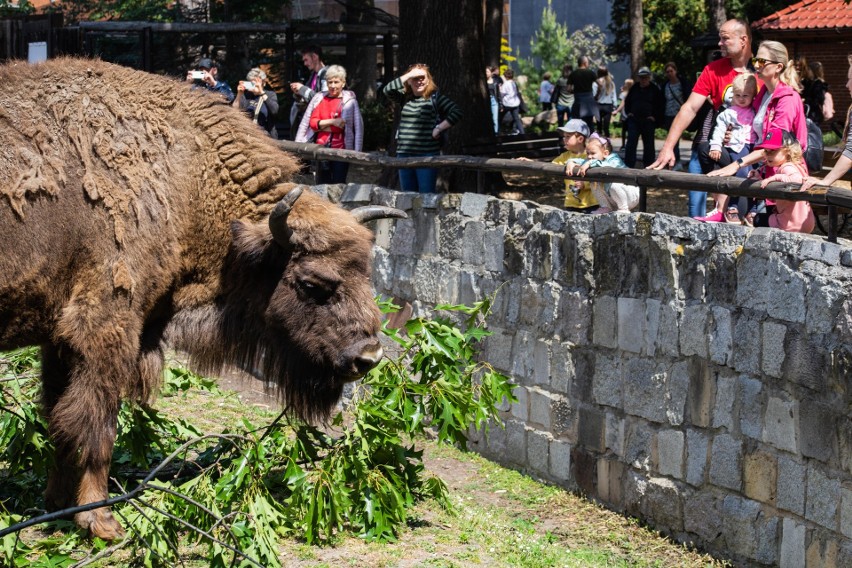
[(296, 306)]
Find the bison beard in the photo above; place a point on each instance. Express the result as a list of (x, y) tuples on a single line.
[(137, 213), (307, 390)]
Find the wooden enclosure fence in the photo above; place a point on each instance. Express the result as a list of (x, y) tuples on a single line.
[(830, 197)]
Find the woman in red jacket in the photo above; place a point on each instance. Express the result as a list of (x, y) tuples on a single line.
[(333, 119)]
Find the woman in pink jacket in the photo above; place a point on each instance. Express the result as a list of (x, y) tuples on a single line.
[(777, 104)]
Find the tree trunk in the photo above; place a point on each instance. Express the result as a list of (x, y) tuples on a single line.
[(493, 31), (448, 37), (637, 36), (361, 52), (717, 13)]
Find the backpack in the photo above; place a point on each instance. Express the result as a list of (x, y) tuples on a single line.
[(301, 103), (554, 95), (321, 78), (813, 155)]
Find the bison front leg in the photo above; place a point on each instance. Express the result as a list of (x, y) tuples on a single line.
[(101, 362), (83, 424)]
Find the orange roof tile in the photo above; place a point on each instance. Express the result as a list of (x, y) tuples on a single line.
[(809, 15)]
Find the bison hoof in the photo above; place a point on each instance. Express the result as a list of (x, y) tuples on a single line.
[(100, 523)]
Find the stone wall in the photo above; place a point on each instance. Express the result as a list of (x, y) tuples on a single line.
[(698, 376)]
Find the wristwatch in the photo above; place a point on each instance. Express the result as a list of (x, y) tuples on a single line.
[(740, 162)]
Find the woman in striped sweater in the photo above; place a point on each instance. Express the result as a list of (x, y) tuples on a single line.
[(425, 116)]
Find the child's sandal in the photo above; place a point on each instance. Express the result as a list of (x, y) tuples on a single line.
[(732, 216)]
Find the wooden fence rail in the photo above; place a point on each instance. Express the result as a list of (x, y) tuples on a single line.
[(827, 196)]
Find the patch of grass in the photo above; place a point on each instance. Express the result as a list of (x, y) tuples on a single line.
[(518, 521)]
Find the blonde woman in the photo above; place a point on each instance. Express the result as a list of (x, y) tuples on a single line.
[(607, 98), (844, 162), (777, 104)]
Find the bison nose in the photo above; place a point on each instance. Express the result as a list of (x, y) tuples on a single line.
[(364, 356), (368, 359)]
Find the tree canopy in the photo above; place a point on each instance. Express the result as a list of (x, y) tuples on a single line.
[(170, 11), (671, 25)]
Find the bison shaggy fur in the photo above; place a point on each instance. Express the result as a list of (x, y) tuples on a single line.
[(135, 213)]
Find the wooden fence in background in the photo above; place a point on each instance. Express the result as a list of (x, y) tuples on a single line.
[(833, 199)]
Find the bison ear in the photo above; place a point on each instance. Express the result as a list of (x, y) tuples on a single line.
[(278, 218)]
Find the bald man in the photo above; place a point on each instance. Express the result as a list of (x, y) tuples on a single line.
[(715, 83)]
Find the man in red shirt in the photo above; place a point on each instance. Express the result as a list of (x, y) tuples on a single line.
[(714, 81)]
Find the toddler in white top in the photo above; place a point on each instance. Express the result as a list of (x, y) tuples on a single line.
[(738, 119), (612, 196)]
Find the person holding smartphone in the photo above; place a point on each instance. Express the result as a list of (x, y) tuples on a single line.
[(333, 119), (205, 76), (259, 103)]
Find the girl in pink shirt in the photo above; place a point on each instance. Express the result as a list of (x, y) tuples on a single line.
[(783, 159)]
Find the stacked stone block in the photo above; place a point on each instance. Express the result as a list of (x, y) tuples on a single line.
[(696, 375)]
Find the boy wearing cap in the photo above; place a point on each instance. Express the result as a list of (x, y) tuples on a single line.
[(578, 194), (205, 74)]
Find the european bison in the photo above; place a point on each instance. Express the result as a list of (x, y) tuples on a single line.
[(134, 212)]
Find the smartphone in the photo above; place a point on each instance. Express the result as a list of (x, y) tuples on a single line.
[(198, 75)]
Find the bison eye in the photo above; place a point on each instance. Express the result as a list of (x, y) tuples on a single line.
[(318, 290)]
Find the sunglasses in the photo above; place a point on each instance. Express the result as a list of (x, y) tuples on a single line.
[(761, 62)]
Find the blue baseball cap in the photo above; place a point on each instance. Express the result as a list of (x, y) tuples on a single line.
[(576, 125)]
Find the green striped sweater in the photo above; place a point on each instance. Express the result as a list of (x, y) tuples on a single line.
[(417, 120)]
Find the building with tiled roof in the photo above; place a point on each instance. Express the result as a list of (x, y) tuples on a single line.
[(820, 30), (834, 16)]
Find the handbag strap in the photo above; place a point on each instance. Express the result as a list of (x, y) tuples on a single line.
[(674, 95), (330, 131), (260, 102), (434, 99)]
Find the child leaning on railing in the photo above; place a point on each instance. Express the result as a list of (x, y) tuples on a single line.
[(612, 196)]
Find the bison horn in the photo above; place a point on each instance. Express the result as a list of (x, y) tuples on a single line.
[(278, 218), (373, 212)]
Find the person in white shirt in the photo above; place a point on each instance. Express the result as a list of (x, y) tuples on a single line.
[(511, 97), (607, 98)]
